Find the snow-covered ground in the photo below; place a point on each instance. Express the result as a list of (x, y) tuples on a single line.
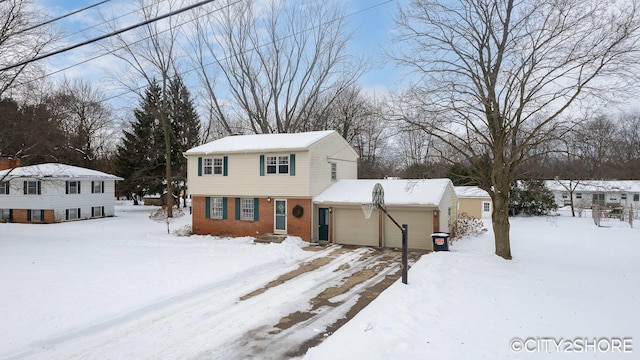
[(571, 287), (122, 288)]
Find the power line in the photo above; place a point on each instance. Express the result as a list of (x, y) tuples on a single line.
[(62, 17), (117, 32)]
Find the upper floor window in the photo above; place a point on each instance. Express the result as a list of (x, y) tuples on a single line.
[(486, 206), (97, 187), (623, 196), (73, 187), (578, 195), (4, 187), (278, 164), (636, 197), (32, 187), (213, 166), (334, 171)]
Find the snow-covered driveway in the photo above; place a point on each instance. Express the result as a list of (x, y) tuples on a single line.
[(120, 289)]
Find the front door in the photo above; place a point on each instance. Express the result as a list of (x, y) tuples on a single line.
[(323, 224), (280, 216)]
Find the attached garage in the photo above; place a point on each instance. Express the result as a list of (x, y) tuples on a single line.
[(420, 222), (352, 228), (426, 206)]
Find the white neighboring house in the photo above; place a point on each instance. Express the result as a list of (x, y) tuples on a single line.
[(586, 193), (50, 193)]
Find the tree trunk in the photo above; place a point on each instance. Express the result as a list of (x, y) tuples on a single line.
[(500, 222)]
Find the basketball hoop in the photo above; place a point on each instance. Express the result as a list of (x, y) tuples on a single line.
[(367, 209)]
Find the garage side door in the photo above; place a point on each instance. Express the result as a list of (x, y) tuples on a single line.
[(420, 229), (351, 228)]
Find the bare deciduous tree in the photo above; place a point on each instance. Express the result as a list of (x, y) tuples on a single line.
[(276, 61), (85, 119), (499, 74), (20, 40), (152, 53)]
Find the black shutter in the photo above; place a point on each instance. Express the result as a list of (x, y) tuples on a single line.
[(78, 213), (42, 216), (29, 215), (79, 182), (93, 186), (66, 214), (102, 187), (39, 192), (66, 191), (26, 186), (93, 213)]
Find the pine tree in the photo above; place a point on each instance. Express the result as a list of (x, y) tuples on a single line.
[(140, 157), (185, 125)]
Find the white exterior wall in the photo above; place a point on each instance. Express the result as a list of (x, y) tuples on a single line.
[(332, 149), (448, 208), (312, 172), (53, 197), (243, 177)]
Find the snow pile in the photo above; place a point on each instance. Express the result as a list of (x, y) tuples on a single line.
[(569, 280)]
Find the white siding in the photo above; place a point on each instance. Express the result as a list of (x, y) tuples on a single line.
[(243, 178), (53, 197), (332, 149), (448, 208), (351, 227), (312, 172)]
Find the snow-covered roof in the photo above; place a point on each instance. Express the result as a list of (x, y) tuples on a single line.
[(470, 192), (594, 185), (261, 142), (396, 192), (55, 170)]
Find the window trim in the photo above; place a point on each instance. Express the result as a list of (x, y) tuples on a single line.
[(217, 208), (247, 209), (73, 187), (36, 188), (214, 166), (275, 164), (99, 185)]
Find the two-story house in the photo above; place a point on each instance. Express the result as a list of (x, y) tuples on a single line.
[(49, 193), (249, 185)]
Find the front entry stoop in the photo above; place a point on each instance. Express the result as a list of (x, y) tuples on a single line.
[(270, 238)]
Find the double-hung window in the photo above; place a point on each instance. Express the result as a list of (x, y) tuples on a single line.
[(32, 187), (73, 187), (213, 166), (217, 208), (277, 164), (97, 187), (4, 187), (246, 209)]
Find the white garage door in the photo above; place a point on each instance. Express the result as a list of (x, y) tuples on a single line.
[(420, 229), (351, 227)]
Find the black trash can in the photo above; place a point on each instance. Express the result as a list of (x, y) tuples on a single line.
[(440, 241)]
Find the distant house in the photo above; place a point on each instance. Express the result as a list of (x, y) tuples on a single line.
[(426, 206), (585, 193), (248, 185), (50, 193), (474, 201)]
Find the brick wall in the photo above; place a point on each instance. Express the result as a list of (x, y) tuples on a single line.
[(231, 227), (20, 216)]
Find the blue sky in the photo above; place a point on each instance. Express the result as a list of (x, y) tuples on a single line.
[(371, 21)]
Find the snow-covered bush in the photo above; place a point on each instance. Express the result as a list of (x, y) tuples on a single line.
[(467, 225), (183, 231)]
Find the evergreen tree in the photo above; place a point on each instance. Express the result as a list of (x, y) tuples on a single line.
[(185, 126), (531, 197), (140, 157)]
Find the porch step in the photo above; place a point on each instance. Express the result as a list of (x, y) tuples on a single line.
[(270, 238)]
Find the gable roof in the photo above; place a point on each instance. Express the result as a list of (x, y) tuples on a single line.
[(56, 171), (261, 142), (470, 192), (396, 192)]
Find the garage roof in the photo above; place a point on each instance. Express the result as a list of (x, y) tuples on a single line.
[(396, 192)]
